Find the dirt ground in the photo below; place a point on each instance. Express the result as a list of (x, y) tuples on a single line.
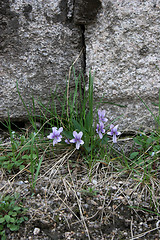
[(71, 202)]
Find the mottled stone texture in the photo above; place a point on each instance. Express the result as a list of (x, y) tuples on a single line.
[(38, 44), (123, 49)]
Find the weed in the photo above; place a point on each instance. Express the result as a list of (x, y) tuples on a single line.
[(12, 214)]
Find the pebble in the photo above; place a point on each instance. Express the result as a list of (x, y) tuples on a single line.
[(114, 187), (36, 231), (94, 203), (20, 182), (94, 181), (86, 205)]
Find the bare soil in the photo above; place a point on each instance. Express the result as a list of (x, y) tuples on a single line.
[(71, 202)]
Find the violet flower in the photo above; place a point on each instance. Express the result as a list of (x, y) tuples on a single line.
[(101, 114), (114, 132), (55, 135), (100, 129), (77, 139), (67, 141)]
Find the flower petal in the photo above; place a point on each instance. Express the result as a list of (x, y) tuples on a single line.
[(100, 135), (103, 130), (105, 119), (80, 134), (115, 128), (67, 141), (109, 133), (99, 112), (60, 130), (103, 112), (111, 126), (118, 133), (73, 140), (50, 136), (78, 145), (75, 134), (114, 138), (59, 138), (54, 141), (54, 129), (81, 142)]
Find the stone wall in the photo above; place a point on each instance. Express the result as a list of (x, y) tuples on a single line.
[(40, 39), (123, 49), (38, 44)]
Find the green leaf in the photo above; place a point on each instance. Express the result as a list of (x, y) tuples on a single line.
[(133, 155), (156, 148), (12, 220), (3, 235), (25, 157), (25, 218), (10, 154), (11, 213), (149, 140), (34, 156), (88, 122), (21, 167), (7, 218), (77, 126), (2, 220), (88, 149), (68, 134), (16, 208), (13, 227), (6, 162), (138, 141), (3, 158), (1, 228)]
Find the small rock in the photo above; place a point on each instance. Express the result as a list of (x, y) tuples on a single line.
[(94, 181), (94, 203), (100, 208), (20, 182), (114, 187), (86, 205), (36, 231)]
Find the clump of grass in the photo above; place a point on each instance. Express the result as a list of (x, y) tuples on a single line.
[(22, 153), (79, 122)]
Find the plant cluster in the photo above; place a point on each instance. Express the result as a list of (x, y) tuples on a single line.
[(82, 123), (23, 152), (57, 137), (12, 214)]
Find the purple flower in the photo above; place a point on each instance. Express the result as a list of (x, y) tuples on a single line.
[(100, 129), (55, 135), (67, 141), (114, 132), (101, 114), (77, 139)]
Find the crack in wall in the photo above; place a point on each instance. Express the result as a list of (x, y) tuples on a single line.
[(85, 12), (84, 49)]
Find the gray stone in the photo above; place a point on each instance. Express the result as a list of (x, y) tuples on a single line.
[(40, 39), (123, 49), (38, 44)]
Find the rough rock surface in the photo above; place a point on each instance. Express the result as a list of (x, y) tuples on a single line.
[(123, 49), (38, 44)]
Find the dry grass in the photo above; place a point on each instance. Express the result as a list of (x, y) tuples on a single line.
[(67, 189)]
